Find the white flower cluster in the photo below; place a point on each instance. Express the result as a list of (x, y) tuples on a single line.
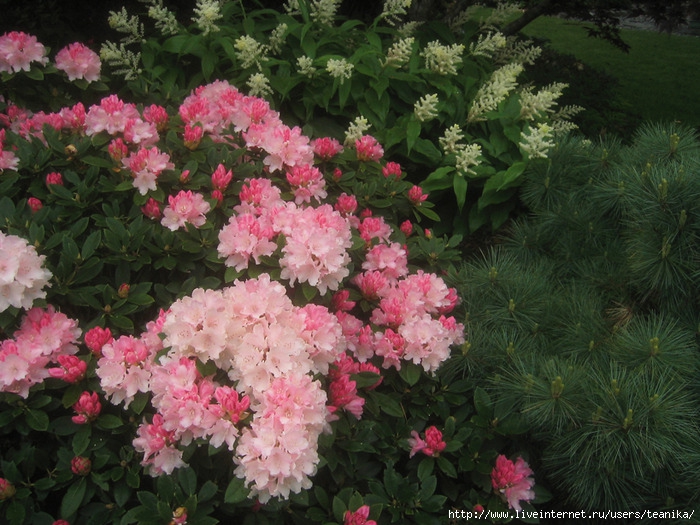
[(494, 91), (340, 68), (399, 53), (277, 38), (520, 51), (118, 56), (426, 108), (164, 19), (292, 8), (249, 51), (503, 12), (408, 29), (536, 142), (259, 85), (323, 11), (450, 141), (130, 26), (441, 59), (305, 65), (22, 275), (468, 156), (537, 105), (487, 45), (207, 13), (394, 9), (356, 130), (560, 120)]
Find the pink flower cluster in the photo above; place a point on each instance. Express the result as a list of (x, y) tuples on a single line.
[(79, 62), (22, 274), (431, 446), (43, 338), (410, 320), (513, 481), (316, 245), (269, 349), (185, 207), (8, 160), (358, 517), (342, 389), (18, 50)]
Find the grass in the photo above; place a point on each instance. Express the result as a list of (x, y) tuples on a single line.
[(659, 77)]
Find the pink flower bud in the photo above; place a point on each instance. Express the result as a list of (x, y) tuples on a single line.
[(54, 178), (156, 115), (123, 291), (478, 508), (337, 174), (216, 194), (326, 148), (34, 204), (184, 176), (117, 150), (193, 136), (88, 407), (7, 489), (72, 369), (368, 148), (81, 466), (151, 209), (221, 178), (416, 195), (96, 338), (392, 168), (406, 227), (359, 517), (60, 522)]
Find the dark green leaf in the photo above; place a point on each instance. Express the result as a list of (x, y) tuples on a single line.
[(236, 492), (73, 498), (38, 420)]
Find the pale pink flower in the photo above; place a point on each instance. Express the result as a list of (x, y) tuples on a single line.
[(158, 446), (185, 207), (316, 248), (359, 517), (513, 481), (124, 369), (111, 115), (246, 236), (391, 260), (285, 147), (307, 182), (18, 50), (78, 62), (87, 408), (146, 165), (8, 160), (22, 273), (391, 347), (374, 228), (137, 131), (368, 148), (259, 196)]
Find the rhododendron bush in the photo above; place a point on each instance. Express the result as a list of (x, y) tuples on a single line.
[(208, 316)]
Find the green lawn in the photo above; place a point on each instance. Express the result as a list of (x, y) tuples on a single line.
[(660, 76)]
